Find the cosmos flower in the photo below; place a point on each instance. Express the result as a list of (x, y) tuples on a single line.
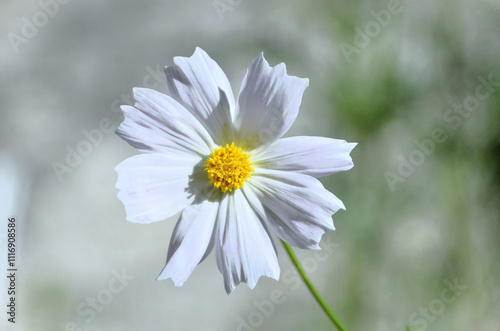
[(223, 164)]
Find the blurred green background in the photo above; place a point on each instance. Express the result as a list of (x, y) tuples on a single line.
[(415, 83)]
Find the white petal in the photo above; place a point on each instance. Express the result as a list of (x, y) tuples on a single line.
[(268, 103), (155, 186), (192, 240), (244, 247), (297, 207), (158, 123), (198, 83), (315, 156)]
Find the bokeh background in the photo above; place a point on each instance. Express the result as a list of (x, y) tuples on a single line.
[(418, 217)]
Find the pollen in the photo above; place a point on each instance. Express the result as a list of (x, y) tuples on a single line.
[(228, 168)]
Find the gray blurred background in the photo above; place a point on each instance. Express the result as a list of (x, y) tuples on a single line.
[(415, 83)]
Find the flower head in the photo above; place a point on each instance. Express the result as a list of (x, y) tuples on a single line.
[(223, 165)]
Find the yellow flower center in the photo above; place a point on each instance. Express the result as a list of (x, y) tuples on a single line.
[(228, 167)]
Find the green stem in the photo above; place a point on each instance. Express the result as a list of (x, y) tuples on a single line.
[(313, 290)]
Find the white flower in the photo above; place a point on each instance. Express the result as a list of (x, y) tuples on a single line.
[(221, 163)]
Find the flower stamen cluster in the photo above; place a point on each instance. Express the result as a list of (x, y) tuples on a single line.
[(228, 167)]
